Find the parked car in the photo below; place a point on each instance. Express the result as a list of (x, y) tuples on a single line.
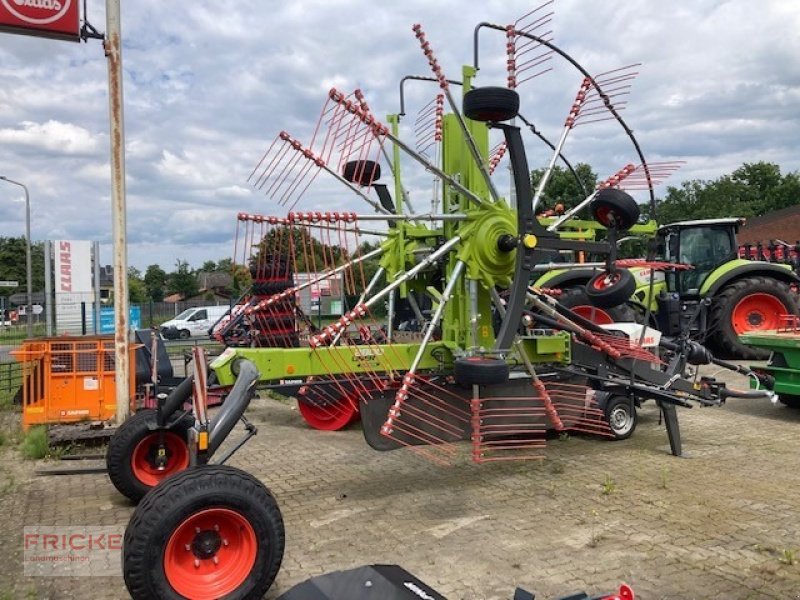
[(193, 322)]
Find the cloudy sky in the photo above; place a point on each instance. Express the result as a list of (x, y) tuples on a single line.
[(208, 85)]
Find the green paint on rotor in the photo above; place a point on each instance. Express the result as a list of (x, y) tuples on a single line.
[(485, 227)]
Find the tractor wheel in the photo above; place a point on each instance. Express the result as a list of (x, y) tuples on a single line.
[(749, 304), (621, 417), (206, 533), (789, 400), (131, 454), (478, 370), (613, 208), (334, 416), (608, 290), (576, 299), (362, 172), (491, 104)]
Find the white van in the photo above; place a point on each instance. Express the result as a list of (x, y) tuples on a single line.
[(193, 322)]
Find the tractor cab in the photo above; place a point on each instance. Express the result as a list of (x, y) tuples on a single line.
[(705, 244)]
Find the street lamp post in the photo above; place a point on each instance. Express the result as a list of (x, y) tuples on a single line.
[(28, 268)]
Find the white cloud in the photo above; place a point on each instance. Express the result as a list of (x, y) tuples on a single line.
[(206, 90), (64, 138)]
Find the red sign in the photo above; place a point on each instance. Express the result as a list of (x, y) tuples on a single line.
[(58, 19)]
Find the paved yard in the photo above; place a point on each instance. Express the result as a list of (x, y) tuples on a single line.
[(723, 523)]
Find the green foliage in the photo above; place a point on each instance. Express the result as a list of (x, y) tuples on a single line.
[(155, 282), (182, 280), (137, 292), (609, 487), (752, 189), (34, 446), (562, 187), (12, 264)]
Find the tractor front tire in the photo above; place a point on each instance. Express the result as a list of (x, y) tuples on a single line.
[(576, 299), (130, 458), (749, 304), (215, 532)]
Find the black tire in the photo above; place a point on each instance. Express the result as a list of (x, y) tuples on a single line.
[(163, 512), (724, 338), (362, 172), (613, 208), (491, 104), (478, 370), (607, 290), (126, 438), (576, 297), (789, 400), (621, 417), (270, 288), (184, 334)]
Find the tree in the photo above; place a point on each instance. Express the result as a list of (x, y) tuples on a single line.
[(752, 189), (183, 280), (209, 266), (155, 282), (137, 292), (562, 186), (13, 265)]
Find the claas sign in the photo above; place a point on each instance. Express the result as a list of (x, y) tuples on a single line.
[(58, 19)]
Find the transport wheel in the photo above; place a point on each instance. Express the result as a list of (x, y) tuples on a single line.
[(607, 290), (362, 172), (131, 455), (333, 416), (613, 208), (491, 104), (215, 532), (748, 304), (478, 370), (184, 334), (621, 417), (578, 302)]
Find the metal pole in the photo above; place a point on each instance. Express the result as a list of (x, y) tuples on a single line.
[(96, 312), (48, 289), (113, 50), (29, 307)]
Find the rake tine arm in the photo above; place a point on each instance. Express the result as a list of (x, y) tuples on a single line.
[(380, 130), (445, 86), (408, 379)]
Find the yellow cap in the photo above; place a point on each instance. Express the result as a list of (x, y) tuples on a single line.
[(529, 240)]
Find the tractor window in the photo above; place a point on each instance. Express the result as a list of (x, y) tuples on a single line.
[(705, 248)]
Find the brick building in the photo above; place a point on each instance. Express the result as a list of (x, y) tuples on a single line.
[(781, 225)]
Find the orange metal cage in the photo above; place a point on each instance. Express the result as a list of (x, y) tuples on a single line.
[(69, 379)]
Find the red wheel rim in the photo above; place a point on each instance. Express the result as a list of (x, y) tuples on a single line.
[(331, 417), (603, 215), (757, 312), (143, 459), (593, 314), (605, 281), (210, 554)]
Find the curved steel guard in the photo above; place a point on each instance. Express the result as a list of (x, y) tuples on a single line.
[(527, 224), (234, 406)]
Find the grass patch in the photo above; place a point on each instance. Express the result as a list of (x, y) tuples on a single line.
[(609, 487), (34, 445)]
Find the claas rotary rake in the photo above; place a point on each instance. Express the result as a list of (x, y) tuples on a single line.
[(492, 362)]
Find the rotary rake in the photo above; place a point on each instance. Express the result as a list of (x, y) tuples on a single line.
[(491, 364)]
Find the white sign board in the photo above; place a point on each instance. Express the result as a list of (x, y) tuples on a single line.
[(73, 283)]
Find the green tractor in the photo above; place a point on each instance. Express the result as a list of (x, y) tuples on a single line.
[(719, 299)]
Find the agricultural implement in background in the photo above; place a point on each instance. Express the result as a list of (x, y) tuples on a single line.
[(783, 346), (730, 291), (495, 362)]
